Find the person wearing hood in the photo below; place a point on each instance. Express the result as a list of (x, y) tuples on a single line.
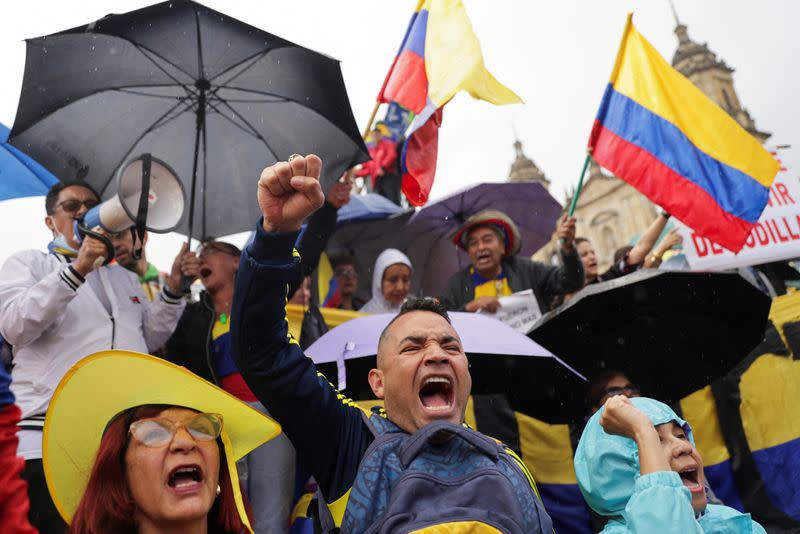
[(492, 241), (637, 465), (391, 282)]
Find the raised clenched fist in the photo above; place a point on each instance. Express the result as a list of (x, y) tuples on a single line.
[(290, 192)]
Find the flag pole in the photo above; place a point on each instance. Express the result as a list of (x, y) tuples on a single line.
[(577, 193), (371, 120)]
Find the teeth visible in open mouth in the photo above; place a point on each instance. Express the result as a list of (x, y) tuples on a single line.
[(185, 476), (689, 478), (436, 393), (435, 379)]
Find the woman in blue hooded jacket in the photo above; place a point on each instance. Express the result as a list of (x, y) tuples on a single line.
[(637, 465)]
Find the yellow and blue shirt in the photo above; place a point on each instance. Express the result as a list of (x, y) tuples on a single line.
[(486, 287)]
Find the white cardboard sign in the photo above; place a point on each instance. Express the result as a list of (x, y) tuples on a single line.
[(519, 311), (775, 237)]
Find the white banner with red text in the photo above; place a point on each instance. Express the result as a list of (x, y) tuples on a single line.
[(775, 237)]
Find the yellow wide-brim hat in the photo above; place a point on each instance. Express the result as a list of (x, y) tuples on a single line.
[(102, 385)]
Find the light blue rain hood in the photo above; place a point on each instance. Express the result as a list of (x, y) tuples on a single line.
[(607, 466)]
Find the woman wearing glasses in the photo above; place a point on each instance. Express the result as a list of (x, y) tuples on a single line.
[(154, 446)]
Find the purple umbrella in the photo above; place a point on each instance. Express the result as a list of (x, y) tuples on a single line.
[(426, 237), (502, 360)]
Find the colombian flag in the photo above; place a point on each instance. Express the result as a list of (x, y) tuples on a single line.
[(440, 56), (661, 134)]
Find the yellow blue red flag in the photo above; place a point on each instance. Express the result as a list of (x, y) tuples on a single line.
[(662, 135), (439, 56)]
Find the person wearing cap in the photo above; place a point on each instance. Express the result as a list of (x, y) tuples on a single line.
[(158, 453), (492, 241), (58, 306), (422, 373)]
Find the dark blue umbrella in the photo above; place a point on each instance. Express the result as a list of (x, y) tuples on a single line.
[(20, 175), (426, 239)]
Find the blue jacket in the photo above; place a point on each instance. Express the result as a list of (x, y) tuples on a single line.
[(607, 468)]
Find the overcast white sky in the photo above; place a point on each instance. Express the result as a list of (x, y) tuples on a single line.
[(557, 55)]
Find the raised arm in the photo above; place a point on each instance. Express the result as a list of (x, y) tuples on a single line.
[(325, 428), (659, 497), (566, 278), (645, 243)]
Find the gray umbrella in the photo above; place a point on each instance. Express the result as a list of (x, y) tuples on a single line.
[(213, 97)]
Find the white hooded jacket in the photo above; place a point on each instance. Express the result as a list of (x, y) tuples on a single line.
[(52, 319), (378, 303)]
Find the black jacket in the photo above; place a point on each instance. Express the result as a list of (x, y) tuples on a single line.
[(191, 343), (545, 280)]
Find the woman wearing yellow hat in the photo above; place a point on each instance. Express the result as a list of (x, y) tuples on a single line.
[(134, 444)]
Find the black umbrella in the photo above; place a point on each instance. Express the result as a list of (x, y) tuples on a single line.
[(671, 332), (213, 97)]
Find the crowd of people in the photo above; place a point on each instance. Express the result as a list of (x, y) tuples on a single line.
[(185, 436)]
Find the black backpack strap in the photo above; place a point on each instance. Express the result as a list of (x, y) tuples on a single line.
[(413, 445)]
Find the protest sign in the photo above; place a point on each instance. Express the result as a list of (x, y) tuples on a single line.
[(775, 237), (519, 311)]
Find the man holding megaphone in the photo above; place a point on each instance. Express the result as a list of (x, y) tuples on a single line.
[(57, 307)]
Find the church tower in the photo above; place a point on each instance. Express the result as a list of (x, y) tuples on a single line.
[(524, 169), (712, 76)]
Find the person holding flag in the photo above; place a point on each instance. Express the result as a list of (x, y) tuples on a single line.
[(439, 56)]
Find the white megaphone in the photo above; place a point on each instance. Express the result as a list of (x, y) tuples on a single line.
[(160, 212)]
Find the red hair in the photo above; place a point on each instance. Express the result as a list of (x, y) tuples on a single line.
[(107, 504)]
